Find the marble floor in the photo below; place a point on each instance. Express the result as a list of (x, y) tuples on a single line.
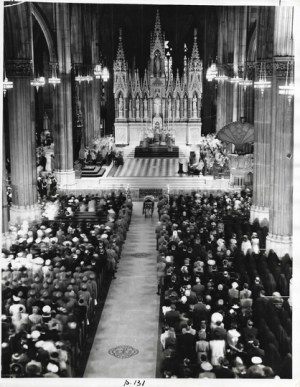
[(125, 344)]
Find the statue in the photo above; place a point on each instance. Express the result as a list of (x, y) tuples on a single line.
[(130, 108), (177, 108), (46, 123), (137, 105), (194, 107), (145, 108), (121, 106), (156, 106), (157, 65), (169, 108), (185, 106)]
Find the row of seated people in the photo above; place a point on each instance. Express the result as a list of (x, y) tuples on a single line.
[(93, 157), (53, 277), (66, 206), (225, 304)]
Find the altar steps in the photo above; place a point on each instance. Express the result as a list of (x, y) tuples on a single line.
[(176, 184), (92, 171), (129, 153)]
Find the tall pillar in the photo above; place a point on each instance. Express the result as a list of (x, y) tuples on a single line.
[(87, 111), (262, 157), (96, 111), (22, 143), (4, 228), (281, 201), (64, 172)]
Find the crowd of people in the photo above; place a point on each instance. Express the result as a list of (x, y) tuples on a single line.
[(52, 278), (226, 311), (101, 151), (210, 158)]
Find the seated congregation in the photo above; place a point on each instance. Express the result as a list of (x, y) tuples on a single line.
[(53, 276), (225, 306)]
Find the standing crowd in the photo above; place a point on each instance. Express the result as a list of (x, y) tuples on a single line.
[(226, 311)]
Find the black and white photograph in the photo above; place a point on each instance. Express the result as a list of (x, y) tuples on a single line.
[(150, 207)]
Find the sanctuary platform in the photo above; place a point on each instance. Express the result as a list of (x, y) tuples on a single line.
[(157, 151), (92, 171)]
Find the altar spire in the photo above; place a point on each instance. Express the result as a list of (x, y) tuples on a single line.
[(120, 62), (195, 62)]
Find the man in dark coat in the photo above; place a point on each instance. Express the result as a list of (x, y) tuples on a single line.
[(172, 317), (187, 345)]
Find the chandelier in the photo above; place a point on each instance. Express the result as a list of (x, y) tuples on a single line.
[(211, 72), (7, 85), (236, 79), (262, 83), (288, 88), (98, 71), (38, 82), (105, 74), (221, 77), (88, 78), (245, 82), (80, 78), (54, 80)]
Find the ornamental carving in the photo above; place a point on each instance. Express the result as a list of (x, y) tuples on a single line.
[(237, 133), (18, 67)]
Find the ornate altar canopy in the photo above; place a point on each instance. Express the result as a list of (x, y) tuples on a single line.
[(159, 102)]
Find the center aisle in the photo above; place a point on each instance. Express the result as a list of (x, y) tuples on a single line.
[(131, 313)]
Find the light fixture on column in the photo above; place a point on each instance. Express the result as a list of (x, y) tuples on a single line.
[(211, 72), (288, 88), (79, 77), (89, 78), (262, 83), (54, 80), (245, 82), (221, 77), (105, 74), (38, 82), (7, 85), (98, 71), (236, 79)]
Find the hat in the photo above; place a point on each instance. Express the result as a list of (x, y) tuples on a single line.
[(46, 309), (235, 285), (35, 335), (256, 360), (206, 366), (38, 261), (52, 368)]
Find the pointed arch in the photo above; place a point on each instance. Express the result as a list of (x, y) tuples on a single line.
[(37, 13)]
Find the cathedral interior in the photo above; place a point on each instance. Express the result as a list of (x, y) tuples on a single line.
[(129, 133)]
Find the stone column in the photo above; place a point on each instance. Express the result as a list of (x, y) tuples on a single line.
[(64, 172), (281, 183), (4, 197), (262, 157), (87, 111), (21, 111), (281, 198)]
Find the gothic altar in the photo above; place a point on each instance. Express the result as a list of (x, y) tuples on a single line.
[(159, 104)]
